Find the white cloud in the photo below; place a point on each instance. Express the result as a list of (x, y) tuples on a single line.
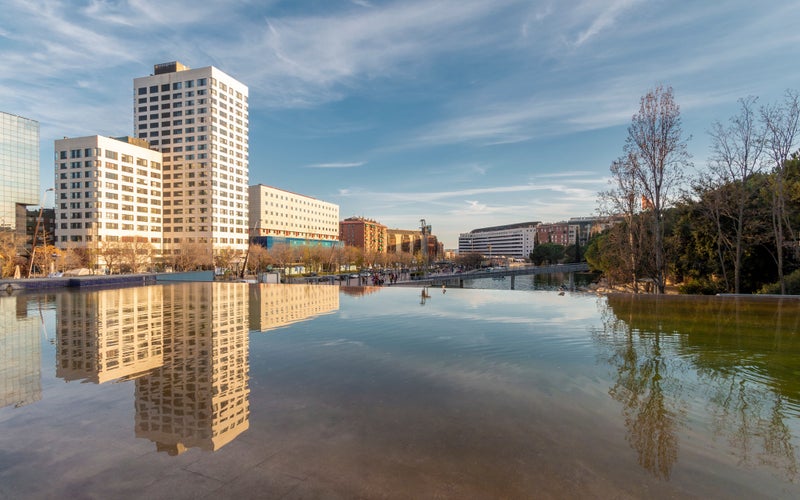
[(605, 19), (337, 165)]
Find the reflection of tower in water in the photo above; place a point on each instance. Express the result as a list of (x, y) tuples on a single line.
[(20, 354), (199, 397)]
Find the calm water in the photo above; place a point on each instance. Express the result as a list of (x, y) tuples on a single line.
[(554, 281), (231, 390)]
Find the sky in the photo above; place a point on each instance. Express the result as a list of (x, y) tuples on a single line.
[(465, 113)]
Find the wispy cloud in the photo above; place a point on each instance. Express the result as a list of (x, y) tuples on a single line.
[(605, 19), (337, 165)]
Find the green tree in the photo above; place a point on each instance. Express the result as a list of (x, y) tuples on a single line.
[(547, 253)]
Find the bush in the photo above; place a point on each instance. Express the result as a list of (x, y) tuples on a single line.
[(792, 285), (695, 286)]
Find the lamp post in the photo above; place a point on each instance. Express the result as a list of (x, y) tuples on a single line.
[(36, 231)]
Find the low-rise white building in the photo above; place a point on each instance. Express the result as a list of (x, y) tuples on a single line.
[(278, 216), (108, 191)]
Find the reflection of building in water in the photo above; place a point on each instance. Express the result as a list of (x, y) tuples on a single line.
[(358, 291), (274, 306), (109, 334), (199, 397), (20, 354)]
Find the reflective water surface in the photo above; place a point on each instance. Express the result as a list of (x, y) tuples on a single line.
[(301, 391)]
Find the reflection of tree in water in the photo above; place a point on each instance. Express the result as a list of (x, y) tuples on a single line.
[(651, 417), (742, 357), (753, 421)]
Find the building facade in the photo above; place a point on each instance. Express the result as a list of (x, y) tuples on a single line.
[(198, 120), (412, 242), (558, 233), (19, 169), (576, 230), (513, 240), (283, 217), (108, 193), (366, 234)]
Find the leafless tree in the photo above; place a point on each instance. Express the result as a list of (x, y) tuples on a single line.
[(283, 255), (782, 125), (12, 247), (111, 253), (258, 258), (135, 254), (624, 199), (736, 151), (192, 256), (658, 156)]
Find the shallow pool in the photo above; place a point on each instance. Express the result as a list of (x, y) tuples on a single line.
[(302, 391)]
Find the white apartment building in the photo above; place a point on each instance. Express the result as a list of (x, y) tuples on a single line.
[(107, 190), (198, 120), (513, 240), (278, 216)]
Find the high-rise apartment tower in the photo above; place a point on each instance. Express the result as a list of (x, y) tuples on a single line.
[(198, 120)]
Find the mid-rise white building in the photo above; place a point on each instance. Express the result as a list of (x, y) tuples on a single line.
[(278, 216), (198, 120), (513, 240), (107, 191)]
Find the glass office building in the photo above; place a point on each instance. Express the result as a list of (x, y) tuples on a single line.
[(19, 169)]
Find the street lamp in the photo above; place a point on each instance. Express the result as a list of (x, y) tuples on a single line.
[(36, 231)]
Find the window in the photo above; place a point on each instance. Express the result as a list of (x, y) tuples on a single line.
[(142, 90)]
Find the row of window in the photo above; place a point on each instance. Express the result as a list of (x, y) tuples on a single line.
[(165, 87), (97, 153)]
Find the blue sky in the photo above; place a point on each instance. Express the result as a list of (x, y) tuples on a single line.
[(466, 113)]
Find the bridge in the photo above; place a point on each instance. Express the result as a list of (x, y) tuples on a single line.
[(457, 279)]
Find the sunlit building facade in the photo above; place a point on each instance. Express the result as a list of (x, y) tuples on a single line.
[(108, 192), (513, 240), (366, 234), (283, 217), (19, 169), (198, 119)]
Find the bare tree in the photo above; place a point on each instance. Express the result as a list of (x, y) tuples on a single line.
[(623, 199), (283, 255), (355, 256), (658, 156), (735, 157), (192, 256), (782, 124), (111, 253), (12, 246), (135, 254), (258, 258)]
